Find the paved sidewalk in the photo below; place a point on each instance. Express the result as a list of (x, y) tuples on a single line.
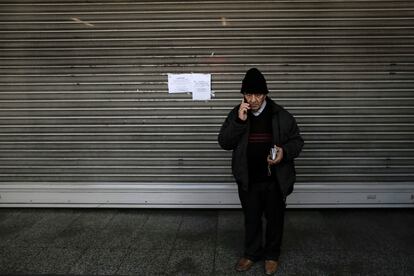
[(201, 242)]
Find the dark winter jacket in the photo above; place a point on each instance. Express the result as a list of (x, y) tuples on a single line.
[(234, 136)]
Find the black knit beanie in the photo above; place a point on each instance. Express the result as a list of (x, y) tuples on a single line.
[(254, 83)]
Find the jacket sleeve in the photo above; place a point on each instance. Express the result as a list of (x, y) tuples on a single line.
[(294, 144), (231, 131)]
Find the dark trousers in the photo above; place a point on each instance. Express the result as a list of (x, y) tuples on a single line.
[(269, 202)]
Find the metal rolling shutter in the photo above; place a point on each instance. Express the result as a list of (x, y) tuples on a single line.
[(86, 118)]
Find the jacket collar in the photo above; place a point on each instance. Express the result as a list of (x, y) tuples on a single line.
[(274, 106)]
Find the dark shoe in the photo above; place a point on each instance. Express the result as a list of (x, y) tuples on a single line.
[(244, 264), (270, 267)]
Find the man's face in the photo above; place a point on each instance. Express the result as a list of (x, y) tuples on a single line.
[(254, 100)]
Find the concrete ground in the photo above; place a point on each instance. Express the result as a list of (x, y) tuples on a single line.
[(201, 242)]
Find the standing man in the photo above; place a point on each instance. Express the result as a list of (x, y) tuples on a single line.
[(252, 129)]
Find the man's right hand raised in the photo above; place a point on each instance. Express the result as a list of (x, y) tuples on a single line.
[(244, 107)]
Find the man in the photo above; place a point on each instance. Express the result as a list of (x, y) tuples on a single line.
[(264, 181)]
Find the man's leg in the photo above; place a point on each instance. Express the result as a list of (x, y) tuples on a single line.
[(274, 214), (252, 204)]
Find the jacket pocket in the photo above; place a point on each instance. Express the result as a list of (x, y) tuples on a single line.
[(286, 176)]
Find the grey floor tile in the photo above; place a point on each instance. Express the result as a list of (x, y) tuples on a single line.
[(15, 259), (298, 237), (355, 228), (369, 263), (99, 262), (46, 230), (52, 261), (230, 231), (341, 263), (144, 262), (9, 233), (131, 219), (231, 241), (191, 262), (199, 221), (84, 230), (11, 229), (308, 230), (224, 261), (163, 221), (76, 238), (94, 219), (303, 262), (197, 231), (39, 237), (113, 238), (189, 239), (408, 260), (147, 241), (230, 220), (9, 256), (8, 213), (397, 226)]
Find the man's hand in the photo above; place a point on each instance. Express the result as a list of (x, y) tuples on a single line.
[(244, 107), (279, 157)]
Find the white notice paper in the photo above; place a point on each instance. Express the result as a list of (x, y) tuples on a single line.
[(180, 83), (198, 84), (202, 87)]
